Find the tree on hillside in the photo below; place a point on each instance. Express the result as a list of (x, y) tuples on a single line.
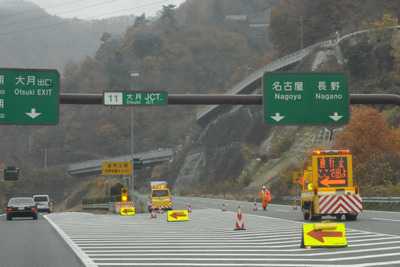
[(318, 20), (366, 135), (167, 15), (141, 21), (147, 43), (375, 149), (384, 29)]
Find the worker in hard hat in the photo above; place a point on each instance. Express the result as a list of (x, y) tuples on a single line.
[(265, 197)]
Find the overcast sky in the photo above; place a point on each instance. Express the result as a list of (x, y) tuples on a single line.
[(99, 9)]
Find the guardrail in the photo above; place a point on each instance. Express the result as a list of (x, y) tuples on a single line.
[(95, 206), (364, 199)]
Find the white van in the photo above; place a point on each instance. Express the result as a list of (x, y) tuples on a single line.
[(43, 203)]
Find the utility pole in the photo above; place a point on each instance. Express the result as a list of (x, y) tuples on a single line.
[(301, 32), (131, 180)]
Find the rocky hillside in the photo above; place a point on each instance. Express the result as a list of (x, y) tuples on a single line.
[(238, 148)]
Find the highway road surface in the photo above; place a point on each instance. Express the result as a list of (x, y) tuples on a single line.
[(26, 242), (208, 238)]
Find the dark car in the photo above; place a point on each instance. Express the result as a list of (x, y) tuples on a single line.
[(21, 207)]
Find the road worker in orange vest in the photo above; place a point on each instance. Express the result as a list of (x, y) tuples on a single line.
[(265, 196)]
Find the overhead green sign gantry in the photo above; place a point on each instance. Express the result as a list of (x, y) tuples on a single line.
[(305, 98), (29, 96)]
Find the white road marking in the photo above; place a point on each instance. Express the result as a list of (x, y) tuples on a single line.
[(381, 219)]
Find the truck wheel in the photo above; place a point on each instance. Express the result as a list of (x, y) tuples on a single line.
[(350, 217), (306, 215), (305, 207), (313, 217), (312, 211)]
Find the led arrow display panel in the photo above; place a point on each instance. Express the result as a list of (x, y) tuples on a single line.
[(305, 98), (29, 96), (332, 170)]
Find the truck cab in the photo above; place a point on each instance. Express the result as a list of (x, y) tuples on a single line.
[(160, 197)]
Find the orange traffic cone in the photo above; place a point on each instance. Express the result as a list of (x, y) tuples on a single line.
[(295, 205), (153, 214), (189, 208), (255, 206), (239, 223), (160, 210), (223, 207)]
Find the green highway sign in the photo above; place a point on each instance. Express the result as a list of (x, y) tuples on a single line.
[(135, 98), (29, 96), (305, 98)]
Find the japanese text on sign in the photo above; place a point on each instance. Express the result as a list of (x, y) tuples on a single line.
[(29, 96), (117, 168), (135, 98), (305, 98), (332, 172), (323, 90)]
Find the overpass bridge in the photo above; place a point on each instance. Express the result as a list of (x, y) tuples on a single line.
[(94, 167), (254, 80)]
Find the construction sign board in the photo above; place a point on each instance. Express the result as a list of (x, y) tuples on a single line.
[(128, 211), (123, 204), (324, 235), (178, 215), (297, 176), (117, 168), (332, 170)]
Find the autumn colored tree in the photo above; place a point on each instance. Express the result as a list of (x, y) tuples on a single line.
[(319, 20), (384, 29), (367, 135), (375, 149)]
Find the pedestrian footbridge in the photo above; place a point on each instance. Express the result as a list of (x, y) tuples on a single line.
[(253, 81), (94, 167)]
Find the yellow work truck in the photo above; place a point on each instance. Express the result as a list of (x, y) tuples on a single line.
[(327, 187), (160, 196)]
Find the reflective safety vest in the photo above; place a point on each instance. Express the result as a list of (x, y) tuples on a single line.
[(265, 193), (310, 186)]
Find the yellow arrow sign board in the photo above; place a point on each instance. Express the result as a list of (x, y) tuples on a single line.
[(297, 177), (178, 215), (128, 211), (324, 235)]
